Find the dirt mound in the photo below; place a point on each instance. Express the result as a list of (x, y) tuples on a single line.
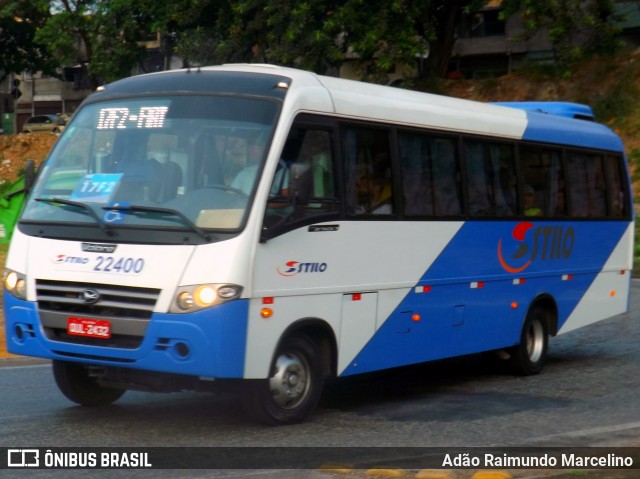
[(15, 150)]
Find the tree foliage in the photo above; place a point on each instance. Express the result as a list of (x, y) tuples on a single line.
[(19, 21), (576, 28), (319, 35), (99, 35)]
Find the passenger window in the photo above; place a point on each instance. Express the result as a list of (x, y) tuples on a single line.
[(586, 176), (617, 198), (491, 178), (544, 186), (430, 175), (367, 160)]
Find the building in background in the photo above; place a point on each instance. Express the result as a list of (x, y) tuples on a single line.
[(489, 46)]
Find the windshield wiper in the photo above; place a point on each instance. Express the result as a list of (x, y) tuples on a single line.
[(152, 209), (83, 206)]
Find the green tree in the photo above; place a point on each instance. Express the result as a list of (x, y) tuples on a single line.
[(100, 35), (19, 22), (576, 28), (319, 35)]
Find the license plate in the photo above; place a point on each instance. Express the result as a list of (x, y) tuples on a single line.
[(90, 328)]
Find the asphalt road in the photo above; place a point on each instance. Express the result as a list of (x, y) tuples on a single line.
[(586, 396)]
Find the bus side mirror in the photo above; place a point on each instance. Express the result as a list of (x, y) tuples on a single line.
[(29, 175)]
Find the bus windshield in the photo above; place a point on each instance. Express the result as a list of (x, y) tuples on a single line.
[(175, 162)]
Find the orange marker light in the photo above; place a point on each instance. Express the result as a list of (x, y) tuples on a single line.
[(416, 317), (266, 313), (612, 293), (514, 305)]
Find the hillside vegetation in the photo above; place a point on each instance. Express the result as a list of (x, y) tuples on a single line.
[(611, 86)]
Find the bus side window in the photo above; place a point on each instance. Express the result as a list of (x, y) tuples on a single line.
[(430, 175), (491, 178), (617, 198), (587, 190), (543, 174), (367, 163)]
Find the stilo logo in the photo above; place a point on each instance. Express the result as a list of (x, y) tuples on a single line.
[(293, 268), (65, 259), (537, 243)]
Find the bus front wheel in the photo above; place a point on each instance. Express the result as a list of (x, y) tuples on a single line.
[(75, 383), (293, 390), (529, 356)]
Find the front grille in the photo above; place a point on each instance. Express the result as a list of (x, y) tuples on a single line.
[(115, 301), (127, 308)]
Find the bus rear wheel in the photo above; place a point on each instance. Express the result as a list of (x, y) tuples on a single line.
[(528, 357), (293, 390), (74, 382)]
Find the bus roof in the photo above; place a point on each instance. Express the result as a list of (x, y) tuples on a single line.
[(549, 122), (560, 108)]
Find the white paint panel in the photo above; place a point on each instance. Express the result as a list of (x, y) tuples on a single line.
[(357, 326), (263, 334), (357, 257), (355, 263), (608, 295), (65, 260), (600, 302)]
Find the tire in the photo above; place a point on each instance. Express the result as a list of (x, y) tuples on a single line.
[(74, 382), (293, 391), (528, 357)]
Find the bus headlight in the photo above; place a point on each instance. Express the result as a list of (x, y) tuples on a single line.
[(16, 284), (200, 296)]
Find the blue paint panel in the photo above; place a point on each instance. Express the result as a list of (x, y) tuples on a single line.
[(570, 132), (570, 246), (458, 319), (216, 338), (560, 108)]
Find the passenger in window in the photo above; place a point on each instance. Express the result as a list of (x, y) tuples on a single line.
[(530, 207), (374, 195)]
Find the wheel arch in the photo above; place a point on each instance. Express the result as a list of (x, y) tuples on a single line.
[(550, 306), (322, 334)]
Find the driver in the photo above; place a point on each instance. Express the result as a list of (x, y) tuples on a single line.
[(245, 179)]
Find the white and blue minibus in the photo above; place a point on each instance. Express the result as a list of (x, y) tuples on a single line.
[(259, 229)]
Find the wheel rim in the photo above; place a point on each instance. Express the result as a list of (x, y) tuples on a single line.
[(290, 383), (535, 341)]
